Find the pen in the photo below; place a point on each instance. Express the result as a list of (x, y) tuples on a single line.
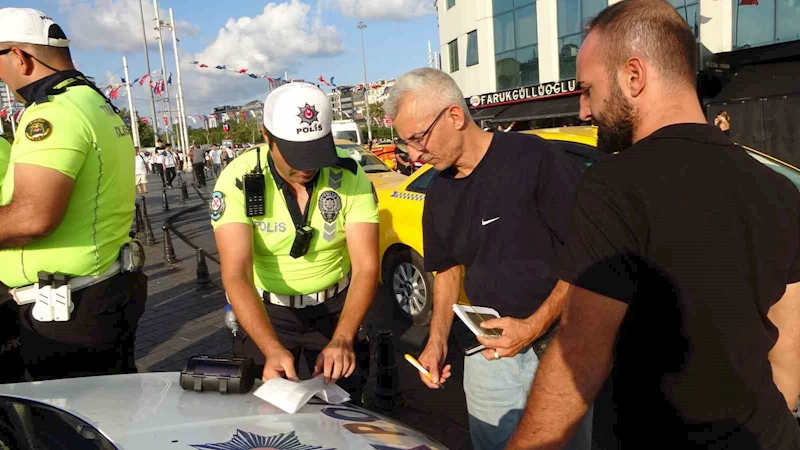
[(419, 367)]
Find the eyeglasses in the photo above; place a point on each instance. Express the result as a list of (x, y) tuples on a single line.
[(3, 52), (420, 142)]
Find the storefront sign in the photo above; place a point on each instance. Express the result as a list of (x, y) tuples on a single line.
[(718, 65), (525, 93)]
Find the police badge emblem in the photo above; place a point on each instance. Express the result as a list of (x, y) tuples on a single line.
[(38, 130), (329, 205), (217, 205), (244, 440)]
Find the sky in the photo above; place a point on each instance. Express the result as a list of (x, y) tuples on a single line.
[(307, 38)]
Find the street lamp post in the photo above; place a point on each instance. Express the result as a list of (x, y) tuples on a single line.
[(147, 63), (183, 126), (361, 26), (159, 25)]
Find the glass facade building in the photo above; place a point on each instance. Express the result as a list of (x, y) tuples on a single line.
[(765, 22), (515, 43)]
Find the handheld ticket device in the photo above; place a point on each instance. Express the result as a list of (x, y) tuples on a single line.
[(223, 375), (254, 186)]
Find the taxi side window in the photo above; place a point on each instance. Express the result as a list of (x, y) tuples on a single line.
[(585, 154), (422, 182)]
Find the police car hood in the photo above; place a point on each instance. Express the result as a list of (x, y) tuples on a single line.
[(151, 411)]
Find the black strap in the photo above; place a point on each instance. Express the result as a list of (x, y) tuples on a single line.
[(79, 81), (300, 220), (348, 164)]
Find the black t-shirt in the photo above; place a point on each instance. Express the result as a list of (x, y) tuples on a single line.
[(504, 222), (699, 240)]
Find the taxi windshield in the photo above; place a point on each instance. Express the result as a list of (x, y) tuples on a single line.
[(365, 158)]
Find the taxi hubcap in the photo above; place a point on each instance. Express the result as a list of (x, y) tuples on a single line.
[(408, 286)]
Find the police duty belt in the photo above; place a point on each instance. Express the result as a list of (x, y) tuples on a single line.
[(305, 300)]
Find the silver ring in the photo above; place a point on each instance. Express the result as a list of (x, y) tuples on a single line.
[(496, 355)]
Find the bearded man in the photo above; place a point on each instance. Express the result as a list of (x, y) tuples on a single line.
[(681, 264)]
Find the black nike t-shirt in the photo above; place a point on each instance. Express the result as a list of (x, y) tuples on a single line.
[(504, 222), (699, 240)]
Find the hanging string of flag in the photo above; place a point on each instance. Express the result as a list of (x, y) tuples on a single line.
[(156, 83), (11, 113), (274, 82)]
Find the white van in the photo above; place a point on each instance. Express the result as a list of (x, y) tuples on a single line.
[(346, 130)]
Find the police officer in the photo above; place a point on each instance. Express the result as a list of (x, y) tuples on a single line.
[(5, 153), (301, 274), (66, 206)]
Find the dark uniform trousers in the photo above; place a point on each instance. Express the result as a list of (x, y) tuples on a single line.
[(11, 366), (97, 340), (307, 331)]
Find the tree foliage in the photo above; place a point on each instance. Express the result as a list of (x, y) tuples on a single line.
[(245, 131), (376, 112)]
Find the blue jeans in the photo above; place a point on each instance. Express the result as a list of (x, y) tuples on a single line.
[(496, 394)]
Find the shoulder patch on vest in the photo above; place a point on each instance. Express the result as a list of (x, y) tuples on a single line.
[(38, 130), (217, 205)]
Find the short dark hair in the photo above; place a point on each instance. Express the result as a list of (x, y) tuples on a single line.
[(47, 53), (664, 38)]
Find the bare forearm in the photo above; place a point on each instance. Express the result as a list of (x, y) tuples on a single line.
[(19, 227), (784, 357), (250, 313), (560, 396), (359, 298), (446, 289), (785, 361), (550, 311)]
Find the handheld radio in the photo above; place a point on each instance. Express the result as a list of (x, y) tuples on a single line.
[(254, 189)]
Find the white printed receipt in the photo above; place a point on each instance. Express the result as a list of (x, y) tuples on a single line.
[(290, 396)]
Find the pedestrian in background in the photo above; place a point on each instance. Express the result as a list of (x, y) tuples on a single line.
[(723, 121), (198, 166), (151, 160), (683, 269), (230, 154), (404, 164), (223, 152), (508, 266), (141, 172), (158, 162), (170, 164), (216, 161)]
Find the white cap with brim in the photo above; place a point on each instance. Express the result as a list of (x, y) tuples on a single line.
[(299, 117), (30, 26)]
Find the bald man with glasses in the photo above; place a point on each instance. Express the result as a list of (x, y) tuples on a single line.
[(496, 210)]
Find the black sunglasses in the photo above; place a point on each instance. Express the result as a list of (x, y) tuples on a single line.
[(417, 143), (3, 52)]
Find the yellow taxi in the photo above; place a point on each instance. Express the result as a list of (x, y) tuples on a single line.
[(377, 171), (400, 206)]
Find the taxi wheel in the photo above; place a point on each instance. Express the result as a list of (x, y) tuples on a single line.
[(411, 287)]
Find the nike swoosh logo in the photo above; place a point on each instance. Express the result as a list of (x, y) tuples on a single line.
[(487, 222)]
